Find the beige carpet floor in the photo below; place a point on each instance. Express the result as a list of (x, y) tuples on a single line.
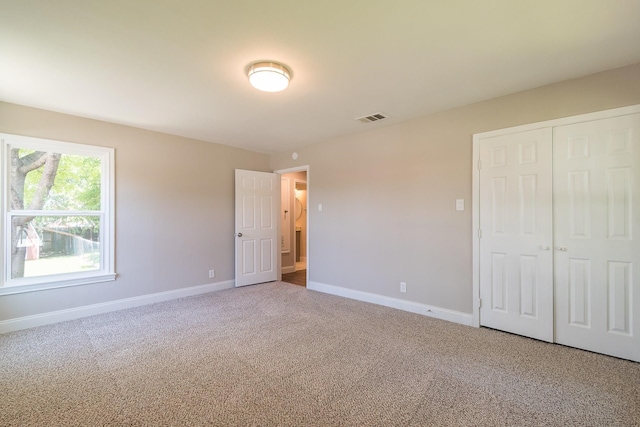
[(281, 355)]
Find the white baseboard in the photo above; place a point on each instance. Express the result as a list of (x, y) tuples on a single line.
[(90, 310), (105, 307), (289, 269), (410, 306)]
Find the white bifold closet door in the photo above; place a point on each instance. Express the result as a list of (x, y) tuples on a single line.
[(560, 234), (516, 265), (596, 191)]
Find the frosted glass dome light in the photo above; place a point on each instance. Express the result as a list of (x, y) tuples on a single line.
[(269, 76)]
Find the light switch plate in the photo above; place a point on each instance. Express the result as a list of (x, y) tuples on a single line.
[(459, 204)]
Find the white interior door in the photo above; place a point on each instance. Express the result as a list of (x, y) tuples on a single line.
[(516, 264), (597, 238), (257, 219)]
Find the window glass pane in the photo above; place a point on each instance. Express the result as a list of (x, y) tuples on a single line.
[(47, 245), (54, 181)]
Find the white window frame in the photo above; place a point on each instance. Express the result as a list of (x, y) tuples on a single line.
[(107, 209)]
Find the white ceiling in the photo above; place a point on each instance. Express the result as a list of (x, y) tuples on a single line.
[(178, 66)]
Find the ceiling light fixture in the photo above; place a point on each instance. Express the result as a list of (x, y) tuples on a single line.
[(269, 76)]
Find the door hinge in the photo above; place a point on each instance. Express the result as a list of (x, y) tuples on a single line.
[(479, 233), (479, 302), (479, 164)]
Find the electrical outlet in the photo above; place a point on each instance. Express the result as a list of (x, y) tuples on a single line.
[(212, 274), (403, 287)]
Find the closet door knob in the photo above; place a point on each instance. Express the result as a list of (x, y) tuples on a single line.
[(561, 249), (544, 248), (239, 234)]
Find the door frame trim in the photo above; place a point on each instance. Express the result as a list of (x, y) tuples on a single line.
[(303, 168), (475, 172)]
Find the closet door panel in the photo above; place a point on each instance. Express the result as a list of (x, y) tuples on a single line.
[(516, 273), (596, 186)]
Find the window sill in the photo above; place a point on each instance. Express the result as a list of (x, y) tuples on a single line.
[(87, 280)]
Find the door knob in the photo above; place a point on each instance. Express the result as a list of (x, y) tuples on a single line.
[(561, 249), (544, 248), (239, 234)]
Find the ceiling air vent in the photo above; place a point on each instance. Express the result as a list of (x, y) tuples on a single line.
[(371, 118)]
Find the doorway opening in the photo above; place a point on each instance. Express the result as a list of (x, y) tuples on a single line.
[(294, 225)]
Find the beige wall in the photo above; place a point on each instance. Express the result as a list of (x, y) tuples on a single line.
[(388, 197), (174, 208), (388, 194)]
